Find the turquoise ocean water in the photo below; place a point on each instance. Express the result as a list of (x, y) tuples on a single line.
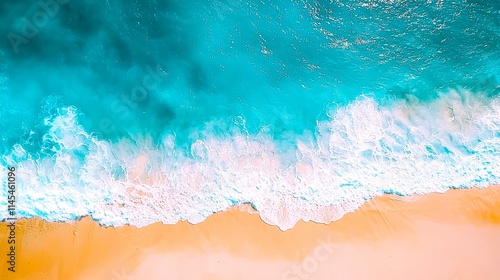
[(142, 111)]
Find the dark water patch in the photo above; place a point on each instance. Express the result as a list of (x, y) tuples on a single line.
[(279, 65)]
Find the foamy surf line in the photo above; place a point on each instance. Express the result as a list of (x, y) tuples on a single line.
[(365, 150)]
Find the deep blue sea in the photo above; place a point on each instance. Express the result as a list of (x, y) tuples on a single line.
[(153, 110)]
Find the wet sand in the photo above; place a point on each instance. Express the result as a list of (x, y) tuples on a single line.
[(455, 235)]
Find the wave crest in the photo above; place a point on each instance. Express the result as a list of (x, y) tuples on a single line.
[(363, 151)]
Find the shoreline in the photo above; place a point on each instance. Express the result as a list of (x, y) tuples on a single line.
[(246, 245)]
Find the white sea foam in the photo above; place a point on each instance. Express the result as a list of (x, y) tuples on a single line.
[(363, 151)]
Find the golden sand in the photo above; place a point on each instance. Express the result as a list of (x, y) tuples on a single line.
[(455, 235)]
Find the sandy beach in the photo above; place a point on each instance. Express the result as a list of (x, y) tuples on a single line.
[(455, 235)]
